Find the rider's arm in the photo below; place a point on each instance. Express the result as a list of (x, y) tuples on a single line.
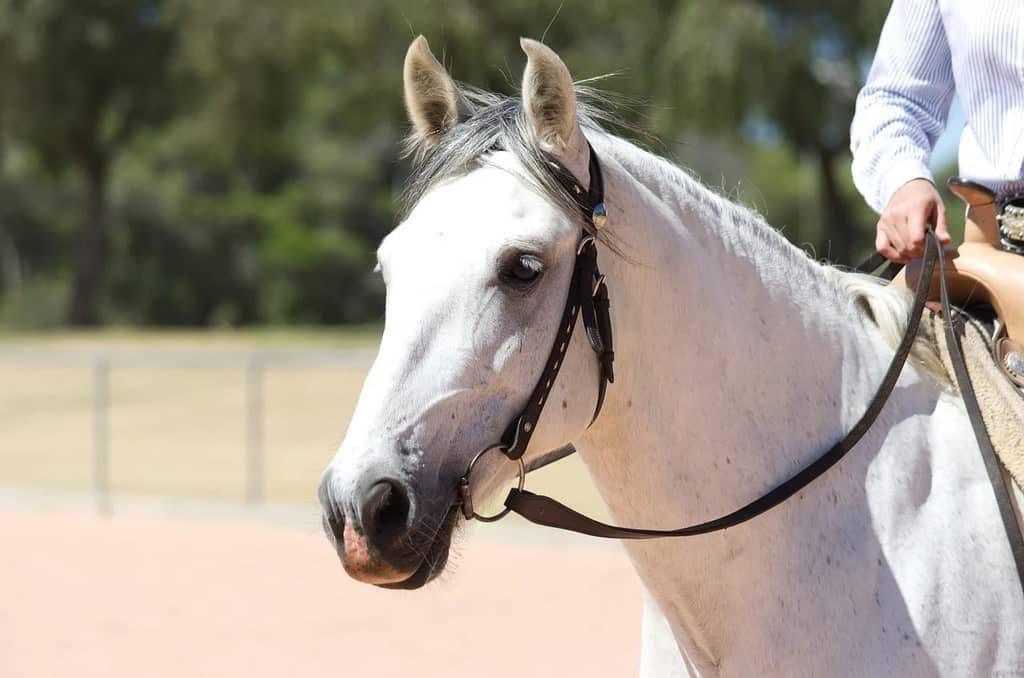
[(902, 109)]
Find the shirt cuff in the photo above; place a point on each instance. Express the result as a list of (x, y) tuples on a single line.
[(899, 173)]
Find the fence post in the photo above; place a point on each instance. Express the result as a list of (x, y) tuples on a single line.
[(100, 433), (254, 429)]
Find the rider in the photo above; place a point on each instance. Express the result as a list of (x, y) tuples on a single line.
[(926, 53)]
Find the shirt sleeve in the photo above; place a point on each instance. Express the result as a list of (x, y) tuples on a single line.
[(901, 110)]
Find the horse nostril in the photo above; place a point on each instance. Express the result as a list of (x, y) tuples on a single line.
[(384, 512), (336, 524), (333, 517)]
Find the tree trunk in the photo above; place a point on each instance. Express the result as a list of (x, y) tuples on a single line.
[(82, 308), (840, 231)]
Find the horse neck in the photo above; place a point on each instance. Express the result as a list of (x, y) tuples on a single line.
[(739, 360), (731, 343)]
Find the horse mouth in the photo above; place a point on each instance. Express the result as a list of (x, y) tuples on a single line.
[(435, 556)]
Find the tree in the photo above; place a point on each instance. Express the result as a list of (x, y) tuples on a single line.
[(790, 68), (236, 162), (79, 80)]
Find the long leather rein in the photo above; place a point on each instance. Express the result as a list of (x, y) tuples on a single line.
[(588, 295)]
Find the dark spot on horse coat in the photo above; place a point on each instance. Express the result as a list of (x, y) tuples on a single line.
[(565, 404)]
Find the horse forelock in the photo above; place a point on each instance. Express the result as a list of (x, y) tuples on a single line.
[(499, 124)]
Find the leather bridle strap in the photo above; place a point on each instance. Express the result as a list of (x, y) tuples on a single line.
[(587, 297), (545, 511), (876, 261)]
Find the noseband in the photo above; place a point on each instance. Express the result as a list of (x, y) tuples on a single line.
[(588, 295)]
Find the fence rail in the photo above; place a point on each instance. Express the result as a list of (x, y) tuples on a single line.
[(255, 363)]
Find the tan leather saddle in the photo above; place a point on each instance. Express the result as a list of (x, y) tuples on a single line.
[(983, 270)]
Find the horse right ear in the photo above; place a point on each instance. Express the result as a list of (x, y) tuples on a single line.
[(432, 99)]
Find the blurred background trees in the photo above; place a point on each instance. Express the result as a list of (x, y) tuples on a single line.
[(179, 162)]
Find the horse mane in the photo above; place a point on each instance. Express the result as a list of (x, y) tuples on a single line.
[(499, 123), (889, 310)]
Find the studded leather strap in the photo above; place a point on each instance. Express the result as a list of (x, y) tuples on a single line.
[(517, 436), (587, 295)]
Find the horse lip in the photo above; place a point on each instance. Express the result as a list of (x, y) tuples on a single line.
[(436, 558)]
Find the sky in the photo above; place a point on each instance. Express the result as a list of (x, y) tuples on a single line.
[(945, 148)]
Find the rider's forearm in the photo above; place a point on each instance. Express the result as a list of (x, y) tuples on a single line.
[(902, 109)]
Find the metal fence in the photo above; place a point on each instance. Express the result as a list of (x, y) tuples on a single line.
[(255, 364)]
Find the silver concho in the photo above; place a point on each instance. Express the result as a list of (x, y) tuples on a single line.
[(600, 216), (1014, 362), (1011, 222)]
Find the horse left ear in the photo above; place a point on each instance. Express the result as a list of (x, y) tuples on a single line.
[(549, 99), (432, 99)]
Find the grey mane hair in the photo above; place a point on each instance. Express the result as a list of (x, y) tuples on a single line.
[(499, 123)]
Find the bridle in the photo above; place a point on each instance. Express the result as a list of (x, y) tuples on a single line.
[(588, 296)]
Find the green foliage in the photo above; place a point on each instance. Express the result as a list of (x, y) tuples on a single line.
[(80, 77), (249, 150)]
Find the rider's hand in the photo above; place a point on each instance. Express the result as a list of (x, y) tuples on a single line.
[(901, 226)]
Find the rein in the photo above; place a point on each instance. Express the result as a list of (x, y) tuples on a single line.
[(588, 295)]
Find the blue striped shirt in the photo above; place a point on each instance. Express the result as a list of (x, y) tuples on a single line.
[(929, 49)]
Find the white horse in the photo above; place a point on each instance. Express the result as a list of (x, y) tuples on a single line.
[(738, 360)]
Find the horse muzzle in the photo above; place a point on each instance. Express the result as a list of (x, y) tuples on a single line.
[(378, 535)]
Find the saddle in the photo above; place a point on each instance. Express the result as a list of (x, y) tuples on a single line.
[(987, 269), (1001, 403)]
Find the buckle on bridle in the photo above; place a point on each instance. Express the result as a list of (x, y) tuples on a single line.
[(466, 495), (585, 242)]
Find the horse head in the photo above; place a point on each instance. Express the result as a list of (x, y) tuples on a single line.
[(477, 276)]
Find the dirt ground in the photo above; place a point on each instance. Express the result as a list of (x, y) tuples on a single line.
[(150, 595)]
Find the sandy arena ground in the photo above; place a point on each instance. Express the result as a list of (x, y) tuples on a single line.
[(231, 589), (143, 595)]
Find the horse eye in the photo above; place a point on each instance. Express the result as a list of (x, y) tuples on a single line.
[(522, 270)]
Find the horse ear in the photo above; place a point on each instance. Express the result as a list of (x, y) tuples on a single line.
[(432, 99), (549, 99)]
